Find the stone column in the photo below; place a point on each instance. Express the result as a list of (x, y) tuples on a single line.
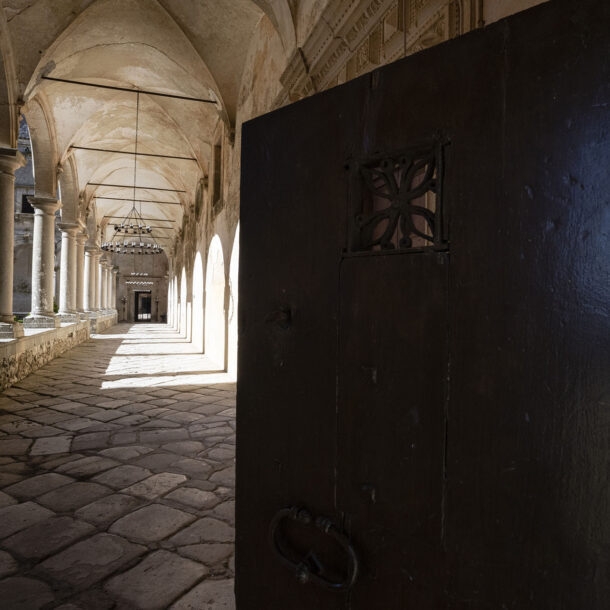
[(82, 287), (99, 297), (43, 263), (67, 278), (113, 305), (92, 254), (105, 286), (10, 160), (108, 285), (95, 270)]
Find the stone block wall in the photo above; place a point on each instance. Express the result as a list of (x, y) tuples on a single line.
[(20, 357), (102, 322)]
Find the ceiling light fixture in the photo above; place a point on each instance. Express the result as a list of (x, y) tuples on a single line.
[(132, 235)]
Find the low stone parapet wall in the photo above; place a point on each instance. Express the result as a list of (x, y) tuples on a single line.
[(102, 321), (20, 357)]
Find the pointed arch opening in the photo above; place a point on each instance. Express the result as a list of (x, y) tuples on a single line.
[(215, 319), (232, 342), (198, 314)]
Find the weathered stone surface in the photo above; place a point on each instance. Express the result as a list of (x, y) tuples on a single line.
[(184, 447), (8, 478), (222, 454), (19, 516), (90, 440), (210, 554), (73, 496), (53, 547), (158, 461), (226, 511), (6, 500), (163, 436), (156, 581), (122, 476), (151, 523), (47, 537), (7, 564), (155, 486), (87, 466), (204, 530), (108, 509), (51, 445), (35, 351), (38, 485), (208, 595), (225, 477), (18, 593), (89, 561), (14, 446), (126, 453), (195, 498)]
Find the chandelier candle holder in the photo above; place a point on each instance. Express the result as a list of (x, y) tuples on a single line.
[(132, 236)]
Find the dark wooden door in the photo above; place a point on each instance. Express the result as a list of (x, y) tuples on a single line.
[(393, 370), (442, 402)]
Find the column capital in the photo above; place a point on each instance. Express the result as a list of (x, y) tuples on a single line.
[(68, 227), (46, 205), (82, 237), (10, 160), (93, 250)]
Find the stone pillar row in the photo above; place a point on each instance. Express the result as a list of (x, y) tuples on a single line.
[(10, 160), (87, 286), (68, 273), (82, 287), (43, 260)]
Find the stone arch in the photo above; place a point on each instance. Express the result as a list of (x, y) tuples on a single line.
[(215, 320), (198, 313), (9, 111), (232, 340), (44, 154), (182, 325), (68, 183)]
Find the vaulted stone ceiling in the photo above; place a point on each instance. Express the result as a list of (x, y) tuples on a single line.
[(194, 48)]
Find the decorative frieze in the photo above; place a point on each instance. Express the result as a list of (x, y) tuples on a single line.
[(353, 37)]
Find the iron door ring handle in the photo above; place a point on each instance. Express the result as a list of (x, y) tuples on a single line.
[(302, 570)]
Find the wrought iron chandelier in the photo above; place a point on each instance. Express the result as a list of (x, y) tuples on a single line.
[(132, 235)]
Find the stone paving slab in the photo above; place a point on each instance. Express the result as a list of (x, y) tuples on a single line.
[(115, 495), (89, 561), (108, 509), (158, 580), (151, 523), (156, 485), (7, 564), (18, 593), (209, 595), (47, 537), (73, 496), (19, 516), (122, 476), (38, 485)]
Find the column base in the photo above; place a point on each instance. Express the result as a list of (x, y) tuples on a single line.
[(69, 318), (37, 321), (11, 330)]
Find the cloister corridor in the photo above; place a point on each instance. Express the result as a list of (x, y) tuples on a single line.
[(117, 476)]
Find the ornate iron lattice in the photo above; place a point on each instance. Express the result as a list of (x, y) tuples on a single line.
[(397, 201)]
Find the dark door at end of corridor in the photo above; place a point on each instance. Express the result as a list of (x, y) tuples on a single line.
[(437, 403), (142, 306)]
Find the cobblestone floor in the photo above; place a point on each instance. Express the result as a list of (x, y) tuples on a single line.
[(117, 478)]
